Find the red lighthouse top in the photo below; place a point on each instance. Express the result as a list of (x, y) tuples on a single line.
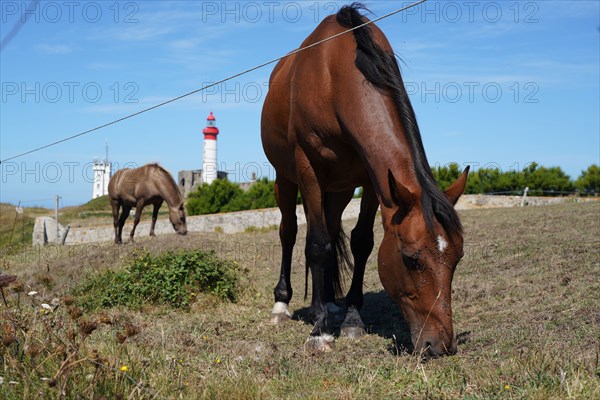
[(211, 131)]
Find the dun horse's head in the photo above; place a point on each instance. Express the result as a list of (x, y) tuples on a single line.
[(177, 218), (416, 267)]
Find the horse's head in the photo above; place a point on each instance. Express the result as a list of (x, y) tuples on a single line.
[(416, 267), (177, 218)]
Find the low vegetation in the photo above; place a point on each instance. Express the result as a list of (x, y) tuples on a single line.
[(172, 278), (525, 302), (16, 228), (225, 196), (541, 181)]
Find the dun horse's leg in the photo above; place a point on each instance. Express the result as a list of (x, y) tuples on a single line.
[(124, 214), (155, 216), (286, 193), (138, 214), (114, 205), (362, 245), (318, 250)]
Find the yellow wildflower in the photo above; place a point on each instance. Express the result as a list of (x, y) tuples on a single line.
[(124, 368)]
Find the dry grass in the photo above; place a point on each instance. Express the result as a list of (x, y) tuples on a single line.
[(525, 302), (16, 229)]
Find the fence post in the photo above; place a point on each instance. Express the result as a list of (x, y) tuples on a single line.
[(524, 196), (64, 236)]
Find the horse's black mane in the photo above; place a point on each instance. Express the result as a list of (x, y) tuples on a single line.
[(381, 69)]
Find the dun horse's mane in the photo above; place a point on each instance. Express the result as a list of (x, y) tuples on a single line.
[(162, 170), (381, 69)]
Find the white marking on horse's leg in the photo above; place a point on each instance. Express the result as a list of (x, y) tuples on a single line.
[(442, 244), (327, 337), (333, 308), (280, 312), (280, 307)]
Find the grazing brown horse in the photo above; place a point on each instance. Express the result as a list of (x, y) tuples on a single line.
[(337, 116), (149, 184)]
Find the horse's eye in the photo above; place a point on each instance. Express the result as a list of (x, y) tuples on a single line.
[(412, 262)]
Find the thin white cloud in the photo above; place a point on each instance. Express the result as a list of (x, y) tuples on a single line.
[(54, 48)]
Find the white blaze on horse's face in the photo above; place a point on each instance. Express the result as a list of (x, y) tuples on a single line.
[(441, 243)]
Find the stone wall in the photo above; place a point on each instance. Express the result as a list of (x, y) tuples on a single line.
[(243, 220)]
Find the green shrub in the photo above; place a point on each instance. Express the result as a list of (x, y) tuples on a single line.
[(172, 278), (542, 181), (589, 180), (214, 198), (225, 196)]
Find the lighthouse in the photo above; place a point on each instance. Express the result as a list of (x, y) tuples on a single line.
[(209, 162)]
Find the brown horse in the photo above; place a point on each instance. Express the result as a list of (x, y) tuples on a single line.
[(337, 116), (149, 184)]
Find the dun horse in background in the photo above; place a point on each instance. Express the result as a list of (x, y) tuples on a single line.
[(149, 184), (337, 116)]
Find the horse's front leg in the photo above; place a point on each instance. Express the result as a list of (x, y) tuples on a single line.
[(154, 217), (138, 215), (318, 251), (362, 245)]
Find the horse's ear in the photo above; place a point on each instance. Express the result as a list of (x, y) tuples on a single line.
[(401, 196), (458, 187)]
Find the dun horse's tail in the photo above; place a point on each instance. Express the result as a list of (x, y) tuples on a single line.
[(340, 266)]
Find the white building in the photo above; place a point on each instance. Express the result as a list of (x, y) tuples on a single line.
[(102, 175)]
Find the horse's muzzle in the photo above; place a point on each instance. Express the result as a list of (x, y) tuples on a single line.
[(433, 348)]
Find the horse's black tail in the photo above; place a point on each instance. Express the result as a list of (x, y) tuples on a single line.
[(343, 265), (340, 266)]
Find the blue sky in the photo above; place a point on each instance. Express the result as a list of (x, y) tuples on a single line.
[(493, 83)]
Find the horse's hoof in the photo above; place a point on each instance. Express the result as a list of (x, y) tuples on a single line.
[(318, 344), (278, 318), (280, 313), (352, 332)]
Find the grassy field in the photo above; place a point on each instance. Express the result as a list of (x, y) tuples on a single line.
[(525, 302), (16, 229)]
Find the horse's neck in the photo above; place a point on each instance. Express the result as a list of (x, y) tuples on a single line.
[(171, 194)]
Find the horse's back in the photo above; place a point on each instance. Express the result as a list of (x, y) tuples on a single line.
[(123, 187)]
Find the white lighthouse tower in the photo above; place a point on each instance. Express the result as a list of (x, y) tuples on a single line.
[(101, 176), (209, 162)]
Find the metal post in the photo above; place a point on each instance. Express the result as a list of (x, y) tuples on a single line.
[(56, 219)]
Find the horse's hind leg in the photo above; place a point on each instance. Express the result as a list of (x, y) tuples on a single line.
[(155, 216), (114, 205), (124, 214), (286, 193), (361, 243)]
